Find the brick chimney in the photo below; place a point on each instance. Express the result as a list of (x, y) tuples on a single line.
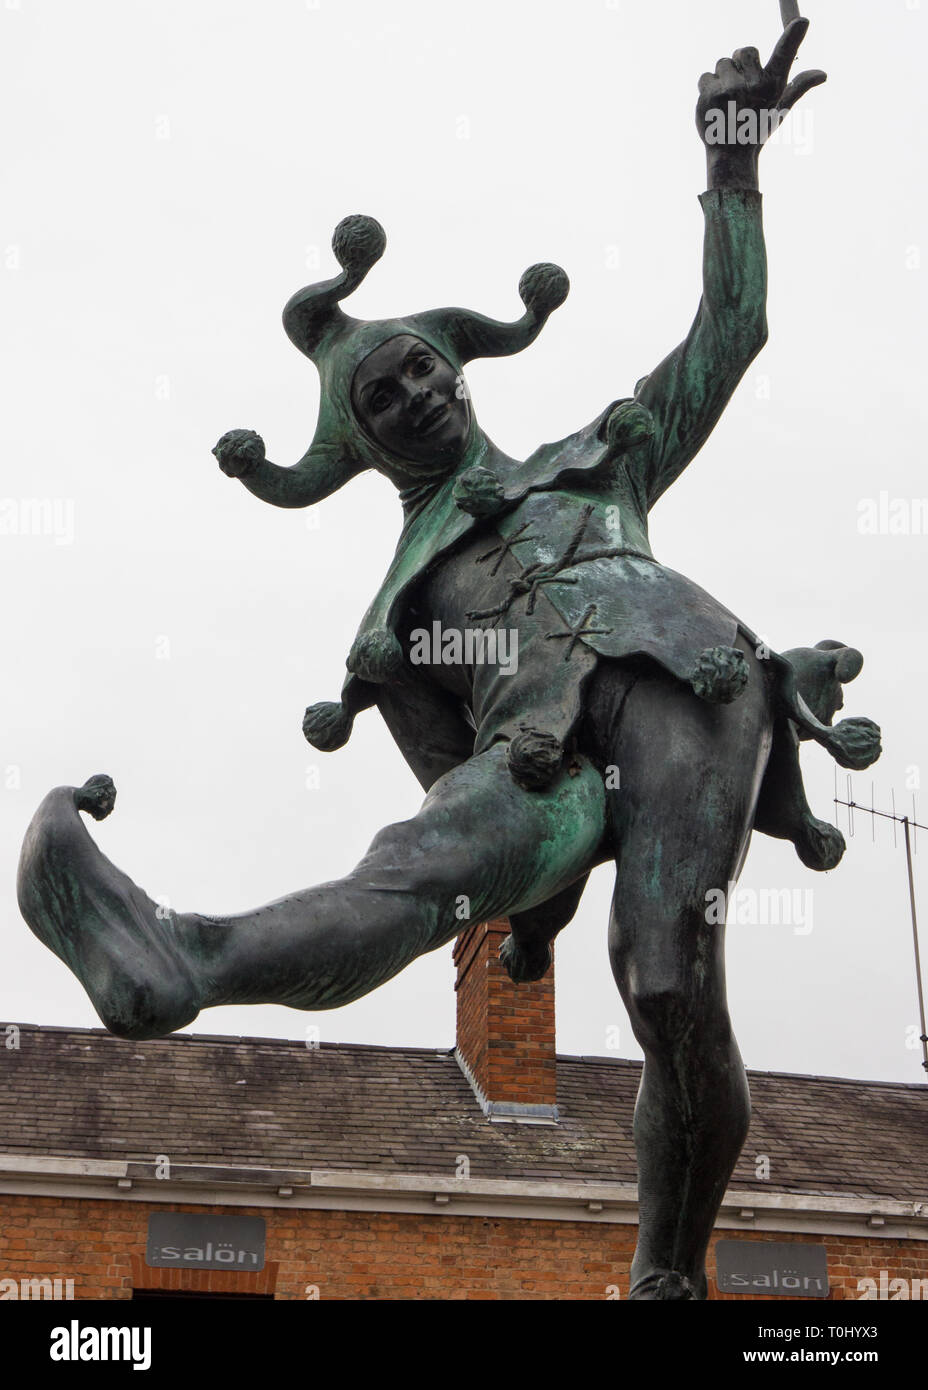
[(505, 1032)]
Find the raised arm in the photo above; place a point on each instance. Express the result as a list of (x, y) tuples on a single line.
[(320, 472), (740, 105)]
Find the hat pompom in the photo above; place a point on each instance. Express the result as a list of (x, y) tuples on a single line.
[(534, 758), (479, 492), (543, 287), (376, 657), (358, 242), (629, 426), (327, 726)]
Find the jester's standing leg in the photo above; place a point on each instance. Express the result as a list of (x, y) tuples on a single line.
[(480, 847), (680, 818)]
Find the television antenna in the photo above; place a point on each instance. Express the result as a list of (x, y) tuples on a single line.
[(910, 829)]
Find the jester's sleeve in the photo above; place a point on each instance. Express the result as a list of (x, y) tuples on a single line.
[(687, 393)]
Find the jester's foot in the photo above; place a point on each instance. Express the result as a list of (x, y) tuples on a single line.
[(819, 845), (524, 963), (126, 950), (97, 796), (663, 1285)]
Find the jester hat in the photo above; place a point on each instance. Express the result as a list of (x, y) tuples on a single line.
[(439, 502), (316, 323)]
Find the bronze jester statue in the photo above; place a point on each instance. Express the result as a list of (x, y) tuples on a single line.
[(641, 722)]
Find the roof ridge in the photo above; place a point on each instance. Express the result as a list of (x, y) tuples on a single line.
[(238, 1040), (228, 1038)]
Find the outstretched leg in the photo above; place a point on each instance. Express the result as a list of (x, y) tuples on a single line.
[(480, 847), (689, 777)]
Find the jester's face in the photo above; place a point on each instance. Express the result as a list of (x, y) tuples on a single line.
[(412, 401)]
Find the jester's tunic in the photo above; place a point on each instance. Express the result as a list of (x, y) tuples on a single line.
[(584, 597), (574, 518)]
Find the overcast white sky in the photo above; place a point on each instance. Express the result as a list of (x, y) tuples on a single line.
[(173, 172)]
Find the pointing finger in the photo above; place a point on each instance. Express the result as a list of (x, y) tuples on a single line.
[(787, 46)]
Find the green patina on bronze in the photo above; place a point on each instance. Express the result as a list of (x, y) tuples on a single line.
[(639, 721)]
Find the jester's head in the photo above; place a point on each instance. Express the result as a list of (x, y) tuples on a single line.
[(409, 400), (393, 394)]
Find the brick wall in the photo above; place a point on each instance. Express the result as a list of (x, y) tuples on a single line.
[(377, 1255)]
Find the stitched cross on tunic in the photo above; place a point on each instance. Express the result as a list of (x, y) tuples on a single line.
[(578, 631), (506, 548), (532, 577)]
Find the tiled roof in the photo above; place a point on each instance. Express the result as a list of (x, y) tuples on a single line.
[(272, 1103)]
